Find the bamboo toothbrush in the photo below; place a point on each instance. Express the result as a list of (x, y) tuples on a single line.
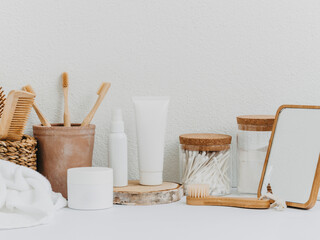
[(198, 194), (2, 101), (102, 93), (41, 117), (65, 85), (15, 115)]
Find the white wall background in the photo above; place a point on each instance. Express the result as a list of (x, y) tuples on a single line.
[(217, 59)]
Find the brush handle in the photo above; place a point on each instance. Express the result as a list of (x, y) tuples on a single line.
[(93, 111), (229, 202), (66, 108), (42, 119)]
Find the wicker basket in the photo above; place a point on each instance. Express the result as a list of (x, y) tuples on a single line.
[(20, 152)]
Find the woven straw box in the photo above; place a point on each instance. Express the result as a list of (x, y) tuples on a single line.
[(21, 152)]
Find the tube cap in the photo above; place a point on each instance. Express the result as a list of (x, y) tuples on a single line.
[(151, 178)]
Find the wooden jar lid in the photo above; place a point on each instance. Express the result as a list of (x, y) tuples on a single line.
[(205, 141), (255, 122)]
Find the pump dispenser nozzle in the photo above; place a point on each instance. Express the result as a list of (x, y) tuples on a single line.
[(117, 124)]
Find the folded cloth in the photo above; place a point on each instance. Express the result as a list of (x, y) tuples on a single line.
[(26, 197)]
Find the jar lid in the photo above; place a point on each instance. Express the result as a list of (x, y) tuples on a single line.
[(256, 122), (256, 119), (90, 175), (205, 141)]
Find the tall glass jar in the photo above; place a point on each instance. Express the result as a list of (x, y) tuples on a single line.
[(253, 137), (205, 159)]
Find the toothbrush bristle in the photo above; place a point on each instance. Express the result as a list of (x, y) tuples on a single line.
[(65, 80), (29, 89), (198, 190), (104, 87)]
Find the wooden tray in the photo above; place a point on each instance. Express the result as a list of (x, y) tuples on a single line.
[(136, 194)]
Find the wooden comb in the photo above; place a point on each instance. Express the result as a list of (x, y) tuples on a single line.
[(15, 115), (2, 101)]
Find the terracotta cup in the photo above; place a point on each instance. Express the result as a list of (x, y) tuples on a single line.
[(61, 148)]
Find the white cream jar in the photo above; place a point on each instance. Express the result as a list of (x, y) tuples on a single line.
[(90, 188)]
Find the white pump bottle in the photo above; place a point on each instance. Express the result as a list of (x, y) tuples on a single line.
[(118, 150)]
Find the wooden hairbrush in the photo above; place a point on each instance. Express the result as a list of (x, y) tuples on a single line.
[(2, 101), (15, 115), (198, 194)]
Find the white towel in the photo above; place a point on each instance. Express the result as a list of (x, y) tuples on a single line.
[(26, 197)]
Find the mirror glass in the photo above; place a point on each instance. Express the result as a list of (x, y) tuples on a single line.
[(293, 155)]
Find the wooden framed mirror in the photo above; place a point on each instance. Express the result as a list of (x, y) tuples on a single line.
[(291, 168)]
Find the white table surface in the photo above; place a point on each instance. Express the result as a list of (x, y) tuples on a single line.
[(176, 221)]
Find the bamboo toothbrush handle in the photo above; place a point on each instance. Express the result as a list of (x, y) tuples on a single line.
[(101, 94), (42, 119), (91, 114), (66, 108), (230, 202)]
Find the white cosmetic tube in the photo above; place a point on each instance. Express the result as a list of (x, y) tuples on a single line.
[(151, 118)]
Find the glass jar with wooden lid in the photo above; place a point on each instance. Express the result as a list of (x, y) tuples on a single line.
[(205, 159), (253, 137)]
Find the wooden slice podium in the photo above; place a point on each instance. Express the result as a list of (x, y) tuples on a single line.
[(136, 194)]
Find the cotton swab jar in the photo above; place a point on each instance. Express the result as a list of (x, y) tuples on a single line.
[(253, 137), (205, 159)]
